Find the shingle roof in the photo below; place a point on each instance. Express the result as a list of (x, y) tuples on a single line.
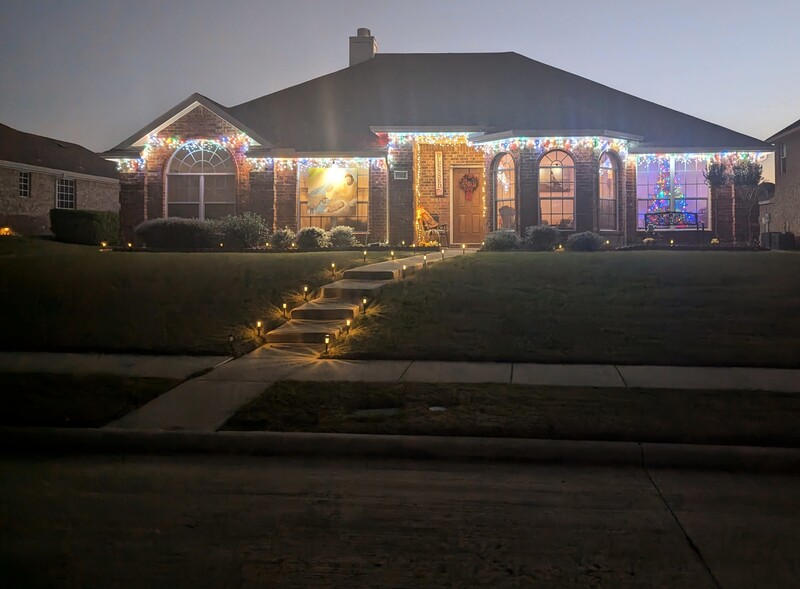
[(493, 91), (35, 150), (793, 127)]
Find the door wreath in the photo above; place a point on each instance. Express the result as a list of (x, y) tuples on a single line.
[(468, 183)]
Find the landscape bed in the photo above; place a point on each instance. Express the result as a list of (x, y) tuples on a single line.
[(655, 307), (501, 410)]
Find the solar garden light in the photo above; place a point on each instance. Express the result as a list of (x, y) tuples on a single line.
[(391, 253), (221, 244), (259, 325), (403, 243), (305, 293), (425, 261), (463, 248), (130, 245), (364, 305), (672, 242), (347, 325), (365, 255), (293, 245), (327, 342), (443, 253), (333, 268), (404, 270), (284, 310)]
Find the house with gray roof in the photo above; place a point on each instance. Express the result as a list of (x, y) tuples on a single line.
[(39, 173), (395, 145)]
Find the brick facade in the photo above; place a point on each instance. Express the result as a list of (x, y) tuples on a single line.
[(782, 214), (31, 215), (402, 213)]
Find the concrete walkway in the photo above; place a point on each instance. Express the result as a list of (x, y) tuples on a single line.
[(142, 365), (207, 402)]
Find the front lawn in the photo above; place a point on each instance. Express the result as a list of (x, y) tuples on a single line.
[(66, 297), (63, 400), (684, 308), (503, 410)]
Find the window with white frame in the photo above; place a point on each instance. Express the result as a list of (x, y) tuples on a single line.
[(201, 181), (607, 193), (332, 196), (65, 193), (672, 184), (25, 184), (557, 190), (505, 192)]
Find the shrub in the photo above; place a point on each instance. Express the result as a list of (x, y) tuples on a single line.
[(176, 233), (87, 227), (541, 238), (342, 236), (282, 239), (584, 242), (243, 231), (312, 238), (501, 241)]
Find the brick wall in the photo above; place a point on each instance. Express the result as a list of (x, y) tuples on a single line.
[(285, 206), (262, 193), (401, 195), (722, 211)]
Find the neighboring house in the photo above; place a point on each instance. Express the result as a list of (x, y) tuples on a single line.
[(477, 141), (38, 174), (781, 213)]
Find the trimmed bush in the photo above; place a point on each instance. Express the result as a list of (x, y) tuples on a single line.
[(247, 230), (501, 241), (541, 238), (342, 236), (283, 239), (312, 238), (178, 234), (86, 227), (584, 242)]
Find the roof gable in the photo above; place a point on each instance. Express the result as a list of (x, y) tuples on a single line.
[(783, 132)]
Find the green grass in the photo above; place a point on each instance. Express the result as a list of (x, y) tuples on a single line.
[(63, 400), (683, 308), (502, 410), (66, 297)]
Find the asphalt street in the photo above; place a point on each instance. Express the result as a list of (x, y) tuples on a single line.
[(240, 522)]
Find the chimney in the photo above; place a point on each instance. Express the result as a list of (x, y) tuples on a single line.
[(363, 46)]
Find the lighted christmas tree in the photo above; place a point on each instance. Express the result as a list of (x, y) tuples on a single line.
[(659, 200)]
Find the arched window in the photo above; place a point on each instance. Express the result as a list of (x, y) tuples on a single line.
[(607, 208), (557, 190), (505, 191), (201, 181)]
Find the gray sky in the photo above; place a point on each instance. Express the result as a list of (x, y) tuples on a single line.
[(95, 71)]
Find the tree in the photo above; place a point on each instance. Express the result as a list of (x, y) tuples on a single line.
[(746, 176)]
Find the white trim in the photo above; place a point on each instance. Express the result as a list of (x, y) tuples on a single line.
[(142, 141), (62, 173)]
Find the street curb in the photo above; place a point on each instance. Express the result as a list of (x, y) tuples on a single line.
[(62, 441)]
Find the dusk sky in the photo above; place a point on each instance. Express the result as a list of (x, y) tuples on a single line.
[(95, 71)]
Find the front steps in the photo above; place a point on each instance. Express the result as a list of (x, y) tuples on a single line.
[(342, 300)]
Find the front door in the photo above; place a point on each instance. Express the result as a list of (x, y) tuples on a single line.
[(467, 217)]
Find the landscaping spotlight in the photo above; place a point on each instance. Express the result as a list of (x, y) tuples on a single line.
[(305, 293), (327, 342), (284, 310)]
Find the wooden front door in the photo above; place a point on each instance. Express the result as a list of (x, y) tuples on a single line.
[(468, 222)]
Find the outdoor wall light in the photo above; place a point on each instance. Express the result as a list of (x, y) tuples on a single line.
[(284, 310), (327, 342), (305, 293)]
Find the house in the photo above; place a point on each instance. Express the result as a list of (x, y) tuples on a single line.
[(38, 174), (781, 212), (478, 142)]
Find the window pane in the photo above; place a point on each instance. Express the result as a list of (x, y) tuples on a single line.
[(217, 211), (219, 189), (187, 211), (183, 188)]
